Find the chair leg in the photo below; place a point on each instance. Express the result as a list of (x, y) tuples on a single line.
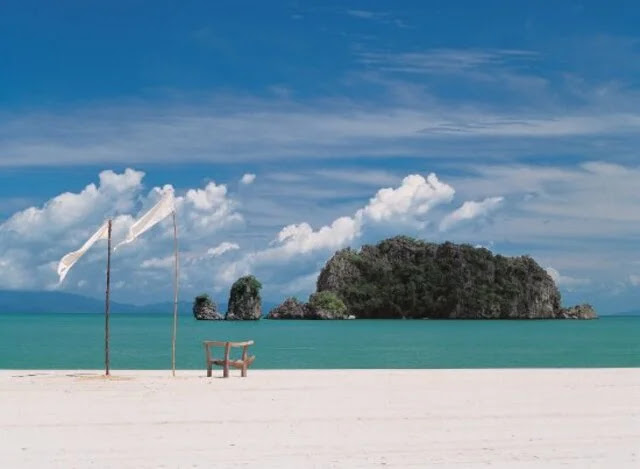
[(227, 353), (244, 370), (209, 370)]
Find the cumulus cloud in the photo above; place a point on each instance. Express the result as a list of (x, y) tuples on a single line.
[(115, 193), (408, 202), (208, 208), (248, 178), (415, 196), (302, 238), (470, 210), (34, 239)]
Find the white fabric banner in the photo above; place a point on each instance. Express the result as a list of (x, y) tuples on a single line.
[(156, 214), (67, 261)]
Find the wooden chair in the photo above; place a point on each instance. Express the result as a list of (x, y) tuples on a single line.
[(227, 362)]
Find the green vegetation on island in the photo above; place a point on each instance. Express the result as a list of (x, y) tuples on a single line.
[(322, 305), (245, 302), (205, 308), (405, 278)]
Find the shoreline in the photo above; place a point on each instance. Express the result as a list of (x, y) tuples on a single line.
[(506, 418)]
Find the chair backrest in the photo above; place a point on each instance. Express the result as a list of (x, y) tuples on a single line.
[(227, 347), (217, 343)]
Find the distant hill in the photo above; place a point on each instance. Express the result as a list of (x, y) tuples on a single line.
[(21, 301)]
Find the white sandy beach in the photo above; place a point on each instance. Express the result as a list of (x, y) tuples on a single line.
[(391, 418)]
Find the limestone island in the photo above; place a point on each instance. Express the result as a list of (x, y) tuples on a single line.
[(405, 278), (245, 303)]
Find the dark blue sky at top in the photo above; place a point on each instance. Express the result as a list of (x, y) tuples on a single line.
[(327, 102), (54, 54)]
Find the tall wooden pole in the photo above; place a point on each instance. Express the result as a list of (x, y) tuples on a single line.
[(175, 294), (106, 304)]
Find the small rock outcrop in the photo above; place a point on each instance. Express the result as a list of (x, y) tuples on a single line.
[(244, 300), (583, 311), (403, 277), (323, 305), (204, 308), (326, 305), (291, 308)]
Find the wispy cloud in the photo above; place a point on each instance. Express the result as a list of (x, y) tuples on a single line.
[(273, 129), (469, 211), (364, 14), (378, 17), (445, 61)]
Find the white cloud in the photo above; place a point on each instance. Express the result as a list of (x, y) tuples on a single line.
[(158, 263), (302, 239), (566, 281), (34, 239), (270, 129), (634, 280), (415, 196), (208, 208), (470, 210), (248, 178), (588, 200), (444, 61), (67, 210), (221, 248), (364, 14)]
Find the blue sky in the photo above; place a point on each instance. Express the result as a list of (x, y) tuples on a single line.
[(529, 112)]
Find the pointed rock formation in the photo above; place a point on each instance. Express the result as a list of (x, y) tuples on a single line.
[(244, 299)]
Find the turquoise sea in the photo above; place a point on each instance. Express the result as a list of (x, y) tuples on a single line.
[(75, 341)]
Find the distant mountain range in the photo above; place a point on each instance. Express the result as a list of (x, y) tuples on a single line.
[(59, 302), (21, 301)]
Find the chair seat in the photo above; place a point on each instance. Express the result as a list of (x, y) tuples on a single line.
[(235, 363)]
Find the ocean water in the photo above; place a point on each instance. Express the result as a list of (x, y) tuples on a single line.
[(76, 341)]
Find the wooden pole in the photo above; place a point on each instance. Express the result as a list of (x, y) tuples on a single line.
[(106, 305), (175, 295)]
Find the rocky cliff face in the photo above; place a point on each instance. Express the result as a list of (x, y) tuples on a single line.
[(244, 299), (204, 308), (404, 277)]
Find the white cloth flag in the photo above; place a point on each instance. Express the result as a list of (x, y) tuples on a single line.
[(156, 214), (67, 261)]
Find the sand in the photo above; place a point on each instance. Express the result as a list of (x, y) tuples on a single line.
[(362, 418)]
